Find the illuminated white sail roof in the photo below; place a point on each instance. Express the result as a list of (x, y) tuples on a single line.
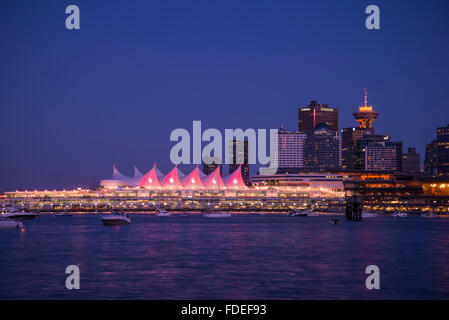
[(116, 175), (137, 173), (235, 179), (193, 179), (173, 178), (176, 179), (152, 178), (117, 180), (214, 180)]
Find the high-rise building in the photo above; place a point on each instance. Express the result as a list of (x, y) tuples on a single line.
[(322, 149), (430, 159), (411, 161), (290, 149), (212, 164), (349, 138), (239, 157), (382, 157), (365, 157), (315, 113), (443, 152), (353, 157), (358, 152), (398, 147)]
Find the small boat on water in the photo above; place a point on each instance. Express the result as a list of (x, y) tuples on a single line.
[(366, 214), (314, 214), (258, 213), (398, 214), (216, 214), (116, 218), (300, 213), (186, 215), (163, 213), (334, 221), (7, 223), (428, 215), (16, 214), (62, 214)]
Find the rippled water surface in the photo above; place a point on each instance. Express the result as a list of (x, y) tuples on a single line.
[(244, 257)]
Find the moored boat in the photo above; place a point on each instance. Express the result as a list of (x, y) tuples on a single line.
[(62, 214), (116, 219), (334, 221), (300, 213), (398, 214), (367, 214), (314, 214), (428, 215), (216, 214), (15, 214), (7, 223), (163, 213)]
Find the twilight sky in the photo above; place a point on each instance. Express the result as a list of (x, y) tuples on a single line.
[(72, 103)]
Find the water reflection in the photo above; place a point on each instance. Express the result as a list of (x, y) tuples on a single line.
[(245, 257)]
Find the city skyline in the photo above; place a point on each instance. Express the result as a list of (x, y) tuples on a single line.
[(220, 155), (81, 103)]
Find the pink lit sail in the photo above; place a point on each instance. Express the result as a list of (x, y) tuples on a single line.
[(214, 180), (235, 180), (196, 179), (151, 178), (193, 180), (173, 178)]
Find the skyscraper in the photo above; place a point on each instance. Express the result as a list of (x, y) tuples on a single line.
[(352, 151), (398, 154), (349, 137), (322, 149), (411, 161), (290, 149), (430, 159), (212, 164), (382, 157), (310, 116), (443, 152), (239, 156), (377, 153)]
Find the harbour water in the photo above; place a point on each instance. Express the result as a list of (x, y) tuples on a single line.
[(244, 257)]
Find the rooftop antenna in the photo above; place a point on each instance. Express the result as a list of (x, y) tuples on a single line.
[(366, 97)]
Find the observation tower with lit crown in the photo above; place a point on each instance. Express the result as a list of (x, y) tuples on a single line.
[(365, 116)]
